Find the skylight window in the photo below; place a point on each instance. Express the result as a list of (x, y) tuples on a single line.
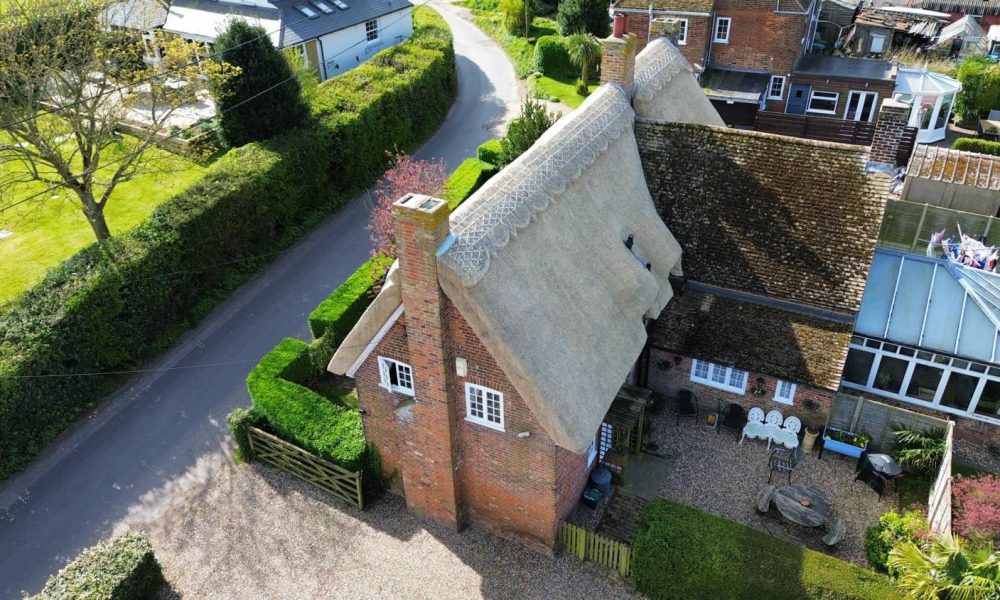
[(307, 10), (323, 6), (339, 4)]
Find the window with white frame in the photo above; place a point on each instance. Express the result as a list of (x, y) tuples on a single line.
[(719, 376), (484, 406), (776, 90), (784, 392), (396, 376), (682, 32), (722, 27), (371, 30), (824, 103)]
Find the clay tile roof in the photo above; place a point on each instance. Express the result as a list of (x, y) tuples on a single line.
[(762, 339), (770, 215), (697, 6), (954, 166)]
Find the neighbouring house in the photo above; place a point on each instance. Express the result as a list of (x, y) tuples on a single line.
[(926, 339), (875, 31), (836, 86), (986, 13), (489, 367), (954, 179), (332, 36), (144, 16)]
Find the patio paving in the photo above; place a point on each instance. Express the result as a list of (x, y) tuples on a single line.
[(714, 473)]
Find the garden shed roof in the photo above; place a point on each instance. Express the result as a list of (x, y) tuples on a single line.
[(753, 211), (954, 166), (794, 346)]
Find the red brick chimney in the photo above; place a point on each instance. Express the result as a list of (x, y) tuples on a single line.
[(428, 456), (892, 118), (618, 55)]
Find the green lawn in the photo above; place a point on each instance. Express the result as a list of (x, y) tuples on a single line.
[(683, 553), (565, 91), (50, 230)]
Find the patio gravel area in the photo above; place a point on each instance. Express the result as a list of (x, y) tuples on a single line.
[(714, 473), (254, 531)]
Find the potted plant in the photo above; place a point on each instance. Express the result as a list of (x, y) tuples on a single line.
[(848, 443)]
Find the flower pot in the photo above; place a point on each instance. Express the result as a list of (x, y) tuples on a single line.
[(809, 439)]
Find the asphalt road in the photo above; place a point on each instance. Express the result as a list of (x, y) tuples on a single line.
[(151, 444)]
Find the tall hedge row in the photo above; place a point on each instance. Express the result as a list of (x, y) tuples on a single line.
[(123, 568), (341, 310), (977, 145), (108, 309)]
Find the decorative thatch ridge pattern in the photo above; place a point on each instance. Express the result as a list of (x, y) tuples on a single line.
[(656, 66)]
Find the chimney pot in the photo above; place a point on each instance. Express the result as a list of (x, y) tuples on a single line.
[(620, 25)]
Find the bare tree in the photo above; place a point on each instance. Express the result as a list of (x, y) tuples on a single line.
[(69, 82)]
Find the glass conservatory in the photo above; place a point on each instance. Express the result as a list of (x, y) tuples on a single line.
[(931, 97)]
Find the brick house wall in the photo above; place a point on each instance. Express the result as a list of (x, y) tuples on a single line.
[(669, 381), (759, 38), (697, 32), (520, 488), (842, 86)]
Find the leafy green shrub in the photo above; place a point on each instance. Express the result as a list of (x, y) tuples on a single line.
[(978, 146), (919, 451), (980, 88), (524, 130), (122, 568), (584, 16), (110, 308), (341, 310), (551, 57), (491, 152), (240, 420), (680, 552), (514, 16), (467, 178), (892, 529), (298, 414)]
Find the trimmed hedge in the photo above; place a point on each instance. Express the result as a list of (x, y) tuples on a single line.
[(491, 152), (123, 568), (111, 308), (552, 59), (683, 553), (300, 415), (465, 180), (341, 310), (977, 145)]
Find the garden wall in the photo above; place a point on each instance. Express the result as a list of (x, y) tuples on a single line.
[(110, 308)]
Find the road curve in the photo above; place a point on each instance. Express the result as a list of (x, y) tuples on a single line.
[(163, 432)]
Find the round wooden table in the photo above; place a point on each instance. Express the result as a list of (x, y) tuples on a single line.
[(789, 499)]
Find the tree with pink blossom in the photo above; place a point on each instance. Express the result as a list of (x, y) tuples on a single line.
[(976, 506), (406, 175)]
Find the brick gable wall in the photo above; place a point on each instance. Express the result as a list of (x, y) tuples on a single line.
[(759, 39), (519, 488), (697, 36)]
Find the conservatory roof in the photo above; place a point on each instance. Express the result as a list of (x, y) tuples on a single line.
[(930, 303), (919, 81)]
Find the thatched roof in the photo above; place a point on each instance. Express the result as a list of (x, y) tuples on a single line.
[(539, 269), (685, 6), (660, 65)]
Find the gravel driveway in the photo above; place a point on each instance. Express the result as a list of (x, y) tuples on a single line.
[(252, 531)]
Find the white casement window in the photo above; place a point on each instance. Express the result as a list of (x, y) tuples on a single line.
[(776, 90), (823, 103), (723, 25), (396, 376), (484, 406), (719, 376), (784, 392), (371, 30), (682, 32)]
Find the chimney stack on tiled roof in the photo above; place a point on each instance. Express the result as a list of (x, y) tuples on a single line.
[(892, 118), (429, 457), (618, 55)]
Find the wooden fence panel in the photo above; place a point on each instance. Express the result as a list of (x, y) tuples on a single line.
[(590, 545), (878, 420), (939, 500), (817, 128), (344, 484)]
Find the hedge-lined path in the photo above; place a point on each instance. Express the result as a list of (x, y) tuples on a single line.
[(163, 435)]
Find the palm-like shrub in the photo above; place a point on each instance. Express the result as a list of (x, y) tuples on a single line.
[(584, 50), (920, 451), (945, 570)]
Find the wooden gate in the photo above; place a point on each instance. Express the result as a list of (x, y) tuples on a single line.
[(590, 545), (344, 484)]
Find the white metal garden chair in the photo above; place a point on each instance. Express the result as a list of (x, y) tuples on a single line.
[(772, 426), (754, 429), (788, 436)]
